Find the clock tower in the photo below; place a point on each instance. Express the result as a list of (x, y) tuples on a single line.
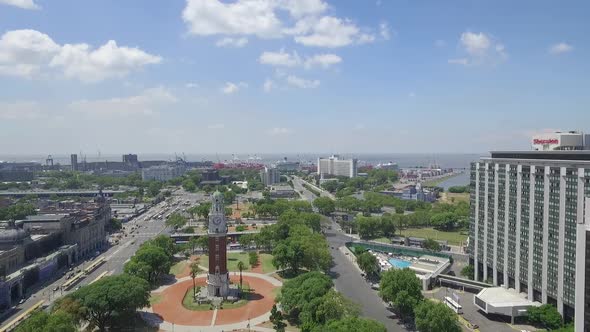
[(218, 277)]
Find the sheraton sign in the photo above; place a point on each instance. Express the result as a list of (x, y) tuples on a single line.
[(544, 141)]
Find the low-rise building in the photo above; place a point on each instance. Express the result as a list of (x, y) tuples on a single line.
[(281, 191), (163, 172)]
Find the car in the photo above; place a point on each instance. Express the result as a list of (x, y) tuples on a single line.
[(21, 301), (78, 287), (56, 288)]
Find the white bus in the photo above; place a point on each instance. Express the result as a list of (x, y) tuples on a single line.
[(456, 307)]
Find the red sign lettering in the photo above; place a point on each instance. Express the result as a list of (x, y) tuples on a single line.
[(546, 141)]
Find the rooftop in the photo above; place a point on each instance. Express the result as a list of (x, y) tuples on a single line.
[(502, 297)]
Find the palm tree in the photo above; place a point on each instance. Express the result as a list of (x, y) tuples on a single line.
[(241, 267), (195, 269)]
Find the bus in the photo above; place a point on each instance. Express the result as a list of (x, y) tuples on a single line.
[(456, 307)]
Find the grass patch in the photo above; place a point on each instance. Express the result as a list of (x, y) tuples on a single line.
[(276, 292), (454, 238), (178, 268), (266, 262), (436, 182), (155, 298), (188, 302), (383, 240), (232, 261), (452, 198)]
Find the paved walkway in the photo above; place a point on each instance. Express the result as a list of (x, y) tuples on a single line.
[(170, 315)]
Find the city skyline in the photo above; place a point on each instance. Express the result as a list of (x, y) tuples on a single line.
[(277, 75)]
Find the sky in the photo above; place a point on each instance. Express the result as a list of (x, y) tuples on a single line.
[(271, 76)]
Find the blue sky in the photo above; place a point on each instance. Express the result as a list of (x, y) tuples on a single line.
[(289, 75)]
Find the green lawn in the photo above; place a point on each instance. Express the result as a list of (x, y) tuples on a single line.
[(232, 261), (178, 267), (188, 302), (266, 262), (383, 240), (454, 238), (155, 298)]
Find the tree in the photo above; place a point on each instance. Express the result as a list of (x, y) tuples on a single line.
[(431, 245), (300, 291), (165, 242), (331, 306), (241, 267), (176, 220), (444, 221), (468, 272), (368, 227), (352, 324), (276, 318), (195, 269), (435, 317), (41, 321), (189, 185), (149, 263), (203, 243), (402, 288), (253, 258), (325, 205), (203, 210), (546, 316), (368, 263), (111, 297)]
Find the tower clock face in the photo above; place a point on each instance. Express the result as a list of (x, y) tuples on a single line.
[(217, 220)]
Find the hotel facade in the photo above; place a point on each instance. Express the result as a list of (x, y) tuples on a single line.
[(530, 227)]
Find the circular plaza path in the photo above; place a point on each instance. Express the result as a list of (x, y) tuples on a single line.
[(173, 316)]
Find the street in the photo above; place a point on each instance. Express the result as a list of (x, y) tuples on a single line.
[(346, 276), (116, 256)]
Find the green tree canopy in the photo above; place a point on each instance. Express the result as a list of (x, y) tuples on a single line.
[(431, 244), (112, 297), (352, 324), (546, 316), (176, 220), (435, 317), (301, 290), (149, 263), (402, 288), (325, 205), (368, 263), (41, 321)]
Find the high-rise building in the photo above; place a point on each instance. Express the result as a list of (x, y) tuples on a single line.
[(270, 176), (337, 167), (217, 277), (74, 161), (530, 227)]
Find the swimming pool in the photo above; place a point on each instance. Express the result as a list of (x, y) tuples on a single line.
[(398, 263)]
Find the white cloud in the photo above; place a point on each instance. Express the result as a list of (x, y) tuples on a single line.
[(149, 102), (280, 58), (301, 19), (479, 48), (268, 85), (191, 85), (560, 48), (29, 53), (80, 62), (300, 8), (232, 42), (20, 110), (384, 30), (322, 60), (276, 131), (475, 44), (24, 4), (243, 17), (284, 59), (24, 52), (328, 31), (230, 88), (302, 83), (216, 126)]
